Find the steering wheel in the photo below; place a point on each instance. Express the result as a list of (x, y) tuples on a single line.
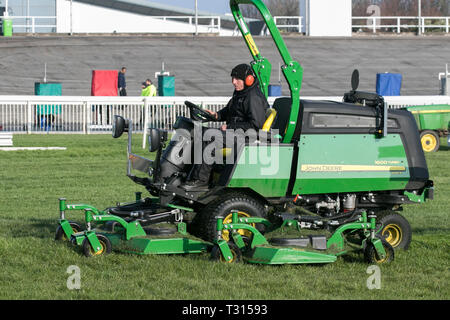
[(198, 114)]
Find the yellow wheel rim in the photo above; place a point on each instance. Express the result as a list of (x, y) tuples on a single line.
[(233, 258), (392, 234), (378, 260), (228, 219), (429, 142), (99, 252), (64, 237)]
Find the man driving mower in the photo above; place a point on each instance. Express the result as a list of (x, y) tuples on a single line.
[(245, 110)]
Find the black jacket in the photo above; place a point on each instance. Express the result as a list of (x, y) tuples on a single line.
[(246, 109)]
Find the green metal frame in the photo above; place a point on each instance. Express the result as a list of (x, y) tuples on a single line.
[(260, 251), (292, 70), (128, 236)]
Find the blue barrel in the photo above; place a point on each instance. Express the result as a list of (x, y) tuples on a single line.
[(389, 84), (274, 90)]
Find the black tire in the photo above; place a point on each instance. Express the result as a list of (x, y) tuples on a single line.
[(430, 141), (104, 242), (222, 207), (371, 255), (395, 229), (216, 254), (60, 235)]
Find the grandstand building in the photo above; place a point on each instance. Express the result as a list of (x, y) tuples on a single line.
[(316, 18)]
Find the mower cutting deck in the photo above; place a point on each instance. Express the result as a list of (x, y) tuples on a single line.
[(126, 234)]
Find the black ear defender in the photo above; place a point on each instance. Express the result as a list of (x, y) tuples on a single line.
[(245, 73)]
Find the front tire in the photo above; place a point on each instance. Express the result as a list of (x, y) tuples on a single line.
[(216, 254), (371, 255), (60, 235), (104, 243)]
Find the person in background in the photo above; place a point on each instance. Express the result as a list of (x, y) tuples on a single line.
[(148, 89), (122, 83)]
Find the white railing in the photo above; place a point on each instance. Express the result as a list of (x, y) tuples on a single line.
[(282, 22), (286, 22), (212, 24), (31, 23), (85, 115), (375, 23)]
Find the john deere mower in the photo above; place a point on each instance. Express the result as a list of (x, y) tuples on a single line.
[(341, 170)]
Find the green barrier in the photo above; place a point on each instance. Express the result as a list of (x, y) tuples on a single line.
[(7, 27), (166, 85), (45, 114)]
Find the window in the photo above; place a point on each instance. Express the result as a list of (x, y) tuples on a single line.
[(324, 120), (24, 10)]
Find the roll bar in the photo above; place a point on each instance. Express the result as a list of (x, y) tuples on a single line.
[(292, 70)]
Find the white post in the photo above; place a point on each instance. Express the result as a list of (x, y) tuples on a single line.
[(88, 109), (144, 128), (196, 18), (29, 113), (420, 16), (398, 25), (6, 8), (28, 17), (71, 18)]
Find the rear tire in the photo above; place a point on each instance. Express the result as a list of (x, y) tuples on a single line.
[(395, 229), (222, 207)]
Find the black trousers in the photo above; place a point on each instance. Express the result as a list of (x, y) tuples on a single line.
[(123, 92), (202, 171)]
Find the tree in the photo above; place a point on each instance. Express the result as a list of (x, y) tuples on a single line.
[(402, 7), (276, 8)]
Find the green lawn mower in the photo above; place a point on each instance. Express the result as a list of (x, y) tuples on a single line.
[(341, 170)]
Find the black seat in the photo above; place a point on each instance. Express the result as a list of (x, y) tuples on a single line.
[(283, 107)]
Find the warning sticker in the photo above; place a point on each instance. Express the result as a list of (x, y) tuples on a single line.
[(251, 44)]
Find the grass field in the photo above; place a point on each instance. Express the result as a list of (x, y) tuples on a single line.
[(92, 170)]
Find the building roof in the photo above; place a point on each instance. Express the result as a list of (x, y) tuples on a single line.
[(150, 8)]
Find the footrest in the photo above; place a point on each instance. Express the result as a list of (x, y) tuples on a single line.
[(316, 241), (285, 216), (297, 242), (159, 231)]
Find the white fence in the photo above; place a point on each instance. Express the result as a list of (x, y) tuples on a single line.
[(32, 24), (397, 24), (85, 115), (212, 24)]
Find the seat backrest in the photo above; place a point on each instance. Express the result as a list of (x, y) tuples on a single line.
[(270, 117), (283, 108)]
